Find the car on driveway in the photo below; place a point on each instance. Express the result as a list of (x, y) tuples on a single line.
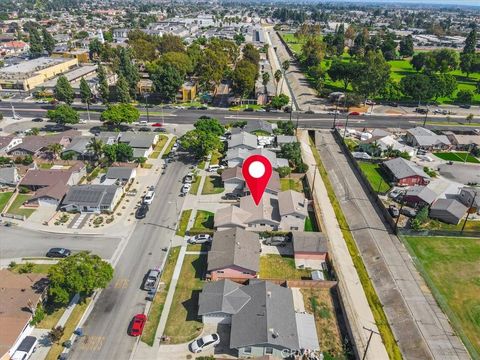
[(206, 342), (199, 239), (408, 212), (137, 325), (58, 253), (141, 211), (230, 196), (275, 241), (393, 210)]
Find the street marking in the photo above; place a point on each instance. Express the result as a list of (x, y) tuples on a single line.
[(121, 283), (91, 343)]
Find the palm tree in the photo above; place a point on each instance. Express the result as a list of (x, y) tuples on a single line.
[(54, 149), (278, 76), (265, 80), (285, 67), (95, 146), (375, 147)]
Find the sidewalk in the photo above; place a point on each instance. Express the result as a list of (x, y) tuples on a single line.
[(358, 312)]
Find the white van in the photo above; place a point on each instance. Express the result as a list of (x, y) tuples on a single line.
[(143, 122), (213, 168), (148, 199), (25, 349)]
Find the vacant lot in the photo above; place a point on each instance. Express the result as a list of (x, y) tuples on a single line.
[(375, 176), (281, 267), (452, 267), (183, 323), (213, 185), (16, 207), (4, 198), (457, 156)]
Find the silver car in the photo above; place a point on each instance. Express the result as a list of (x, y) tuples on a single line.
[(204, 343)]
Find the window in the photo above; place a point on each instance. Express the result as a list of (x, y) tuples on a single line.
[(247, 350), (246, 273), (220, 271), (268, 351)]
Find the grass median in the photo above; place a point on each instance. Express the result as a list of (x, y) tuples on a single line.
[(183, 222), (375, 305), (169, 147)]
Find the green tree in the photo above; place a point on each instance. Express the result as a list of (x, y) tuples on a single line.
[(279, 101), (54, 149), (110, 152), (128, 69), (443, 85), (239, 38), (95, 147), (286, 127), (250, 53), (417, 86), (103, 87), (200, 143), (277, 76), (85, 92), (343, 71), (211, 67), (48, 41), (358, 48), (36, 46), (94, 48), (38, 316), (391, 91), (244, 77), (265, 79), (80, 273), (313, 51), (374, 74), (143, 50), (64, 114), (209, 125), (122, 91), (167, 80), (339, 40), (120, 113), (179, 60), (465, 96), (445, 60), (470, 42), (169, 43), (56, 334), (469, 63), (124, 152), (63, 91), (406, 46), (469, 118), (284, 171)]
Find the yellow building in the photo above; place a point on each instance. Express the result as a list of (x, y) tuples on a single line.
[(32, 73), (188, 92), (81, 55)]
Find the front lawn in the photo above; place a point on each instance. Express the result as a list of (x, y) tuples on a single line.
[(34, 268), (169, 147), (45, 166), (183, 324), (291, 184), (375, 176), (281, 267), (16, 207), (213, 185), (216, 156), (158, 302), (183, 222), (195, 185), (457, 156), (452, 266), (203, 220), (162, 140), (4, 199)]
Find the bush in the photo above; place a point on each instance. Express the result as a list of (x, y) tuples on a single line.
[(23, 190), (420, 219), (284, 171), (302, 168), (12, 265), (5, 160), (26, 268), (56, 333), (38, 316)]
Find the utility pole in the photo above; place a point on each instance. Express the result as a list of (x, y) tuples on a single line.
[(346, 124), (335, 116), (425, 119), (296, 126), (469, 210), (368, 341), (398, 217), (314, 176)]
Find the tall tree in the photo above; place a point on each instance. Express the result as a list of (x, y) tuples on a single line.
[(344, 71), (443, 85), (94, 49), (244, 77), (313, 51), (358, 48), (469, 63), (36, 46), (374, 73), (85, 92), (122, 92), (63, 91), (103, 87), (265, 79), (278, 76), (120, 113), (95, 147), (48, 41), (406, 46), (471, 42), (128, 69), (339, 40), (167, 80), (64, 114), (54, 149), (417, 86), (179, 60)]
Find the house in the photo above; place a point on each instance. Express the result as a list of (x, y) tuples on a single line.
[(260, 126), (285, 139), (233, 181), (36, 145), (405, 173), (9, 176), (108, 137), (92, 198), (120, 174), (235, 253), (243, 140), (78, 147), (8, 142), (389, 142), (14, 47), (310, 249), (449, 211), (419, 196), (142, 143), (262, 217), (230, 216), (426, 139), (235, 157), (293, 209), (20, 296), (262, 317), (463, 141), (469, 196)]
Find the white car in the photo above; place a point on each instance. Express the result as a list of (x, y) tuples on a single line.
[(186, 188), (333, 112), (204, 343), (425, 158), (149, 196), (200, 239)]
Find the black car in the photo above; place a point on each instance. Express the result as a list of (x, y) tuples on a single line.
[(37, 120), (203, 107), (408, 212), (465, 106), (231, 196), (393, 104), (145, 129), (248, 109), (141, 211), (287, 109), (162, 130), (309, 112), (58, 253)]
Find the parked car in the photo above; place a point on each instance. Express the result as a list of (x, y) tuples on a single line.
[(260, 110), (26, 348), (248, 109), (188, 179), (199, 239), (370, 102), (408, 212), (151, 279), (149, 196), (393, 210), (334, 112), (230, 196), (309, 112), (185, 189), (58, 253), (206, 342), (141, 211), (157, 124), (465, 106), (203, 107), (392, 104), (213, 168), (395, 194), (354, 113), (145, 129), (162, 130), (287, 109), (276, 241), (37, 119), (421, 110), (137, 325)]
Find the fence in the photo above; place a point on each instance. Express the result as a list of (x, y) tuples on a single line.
[(320, 284), (451, 233)]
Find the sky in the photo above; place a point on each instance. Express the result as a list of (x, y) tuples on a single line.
[(436, 2)]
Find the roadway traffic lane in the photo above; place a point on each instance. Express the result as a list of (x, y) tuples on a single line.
[(17, 242), (106, 327)]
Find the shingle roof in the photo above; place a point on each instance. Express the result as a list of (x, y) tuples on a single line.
[(223, 296), (423, 193), (243, 139), (90, 195), (402, 168), (314, 242), (229, 216), (119, 173), (8, 175), (267, 209), (56, 191), (79, 144), (138, 140), (426, 137), (236, 173), (254, 125), (234, 247), (292, 202), (38, 177), (450, 206)]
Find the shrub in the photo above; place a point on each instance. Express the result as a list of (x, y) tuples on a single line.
[(301, 168), (12, 265), (284, 171), (38, 316), (23, 190), (26, 268), (56, 333)]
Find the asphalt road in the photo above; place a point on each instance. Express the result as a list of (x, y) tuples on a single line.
[(106, 327), (17, 242)]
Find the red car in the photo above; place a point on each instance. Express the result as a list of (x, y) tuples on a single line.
[(354, 113), (157, 124), (137, 324)]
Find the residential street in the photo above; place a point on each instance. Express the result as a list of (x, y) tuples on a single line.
[(419, 325), (106, 327)]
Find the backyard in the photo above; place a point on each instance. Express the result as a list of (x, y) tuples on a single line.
[(213, 185), (4, 198), (281, 267), (183, 323), (16, 207), (291, 184), (375, 176), (451, 267), (457, 156), (311, 222)]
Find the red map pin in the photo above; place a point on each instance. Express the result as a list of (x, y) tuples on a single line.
[(256, 171)]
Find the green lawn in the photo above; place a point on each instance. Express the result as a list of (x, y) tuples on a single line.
[(169, 147), (213, 185), (195, 185), (16, 207), (183, 324), (457, 156), (281, 267), (46, 166), (311, 222), (4, 198), (452, 265), (375, 176), (36, 269), (158, 302), (183, 222), (216, 156), (52, 315), (162, 140), (244, 106), (291, 184), (203, 220)]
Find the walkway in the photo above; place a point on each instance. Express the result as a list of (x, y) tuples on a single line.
[(358, 312), (420, 327)]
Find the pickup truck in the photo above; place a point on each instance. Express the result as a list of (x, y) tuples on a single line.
[(152, 279), (25, 349)]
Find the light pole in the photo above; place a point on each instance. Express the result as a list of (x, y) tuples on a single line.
[(346, 124), (146, 106)]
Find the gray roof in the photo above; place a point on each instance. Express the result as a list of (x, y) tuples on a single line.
[(223, 296), (78, 144), (8, 175), (307, 333), (472, 191), (268, 318), (402, 168), (243, 139), (90, 195), (314, 242), (286, 139), (423, 193), (138, 140), (450, 206), (121, 173), (292, 202), (108, 137), (266, 210), (234, 247), (254, 125), (426, 137)]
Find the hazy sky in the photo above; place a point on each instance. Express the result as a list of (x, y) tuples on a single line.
[(438, 2)]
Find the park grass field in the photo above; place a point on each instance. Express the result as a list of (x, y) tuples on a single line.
[(452, 266), (457, 156)]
